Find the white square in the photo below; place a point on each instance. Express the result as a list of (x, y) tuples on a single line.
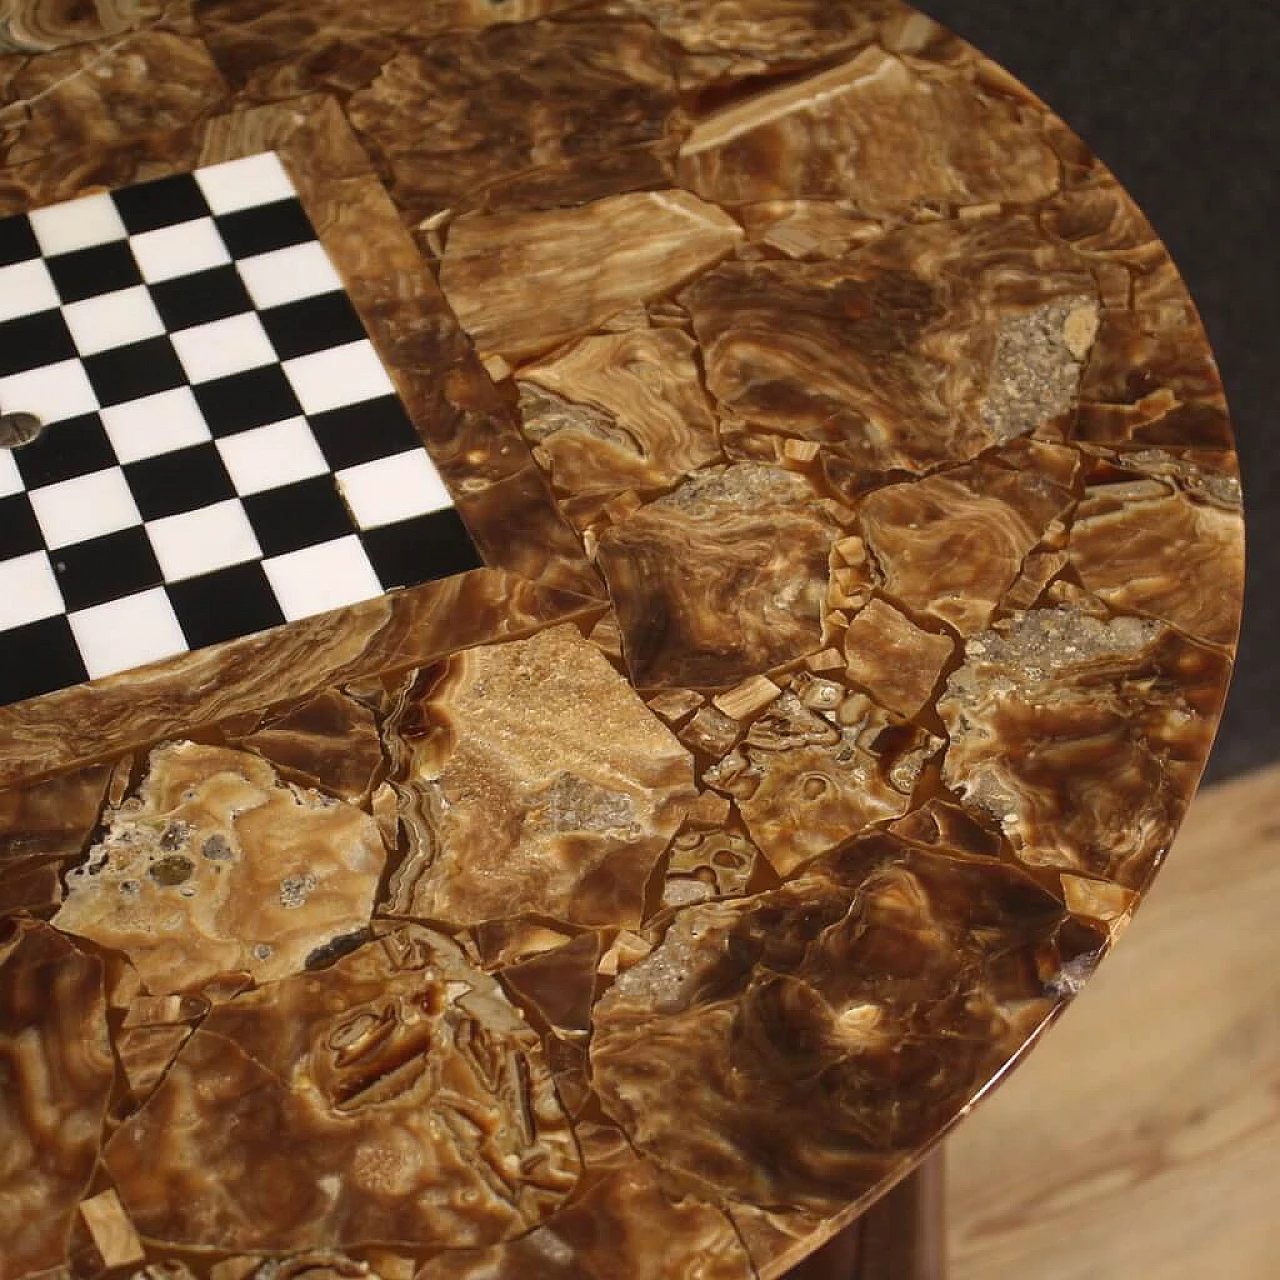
[(224, 347), (86, 507), (52, 393), (196, 542), (340, 376), (395, 488), (77, 224), (241, 184), (268, 457), (28, 590), (27, 288), (127, 633), (285, 275), (155, 424), (113, 320), (10, 476), (317, 579), (180, 250)]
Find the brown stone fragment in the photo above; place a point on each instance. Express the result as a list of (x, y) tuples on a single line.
[(330, 741), (928, 345), (625, 1225), (747, 699), (810, 230), (575, 267), (867, 1001), (940, 824), (898, 662), (805, 785), (1083, 737), (619, 410), (31, 26), (1150, 548), (876, 130), (951, 545), (1097, 900), (395, 1097), (721, 579), (538, 783), (674, 705), (708, 810), (827, 660), (710, 731), (112, 1232), (500, 943), (110, 92), (528, 100), (55, 1056), (1038, 570), (217, 865), (558, 985)]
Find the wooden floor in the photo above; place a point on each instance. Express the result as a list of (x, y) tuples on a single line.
[(1141, 1139)]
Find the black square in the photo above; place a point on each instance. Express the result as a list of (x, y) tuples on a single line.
[(19, 533), (162, 203), (298, 515), (133, 371), (86, 273), (33, 341), (18, 242), (184, 480), (39, 658), (265, 227), (201, 298), (312, 324), (225, 605), (436, 545), (107, 568), (246, 400), (364, 432), (65, 450)]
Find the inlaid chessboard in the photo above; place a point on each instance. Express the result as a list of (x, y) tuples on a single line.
[(222, 449)]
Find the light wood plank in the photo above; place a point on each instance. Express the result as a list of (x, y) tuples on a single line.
[(1142, 1137)]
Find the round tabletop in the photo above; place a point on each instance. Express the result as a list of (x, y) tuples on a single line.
[(606, 610)]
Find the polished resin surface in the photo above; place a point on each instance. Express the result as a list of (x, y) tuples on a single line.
[(862, 557)]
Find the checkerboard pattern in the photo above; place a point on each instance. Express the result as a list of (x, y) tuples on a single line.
[(223, 451)]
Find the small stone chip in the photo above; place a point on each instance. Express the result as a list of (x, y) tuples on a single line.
[(112, 1232), (747, 698)]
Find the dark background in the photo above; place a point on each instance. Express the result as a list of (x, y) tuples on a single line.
[(1181, 101)]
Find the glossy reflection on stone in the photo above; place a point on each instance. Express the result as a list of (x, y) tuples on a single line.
[(57, 1068), (786, 1050), (625, 1225), (394, 1097), (536, 782), (1082, 737), (928, 345), (217, 865), (722, 578)]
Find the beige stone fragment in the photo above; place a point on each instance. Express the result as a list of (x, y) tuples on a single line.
[(673, 705), (743, 701), (112, 1232), (607, 637), (708, 810), (1097, 900), (574, 268), (710, 731), (627, 949), (1038, 570), (216, 865), (827, 660), (551, 791)]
